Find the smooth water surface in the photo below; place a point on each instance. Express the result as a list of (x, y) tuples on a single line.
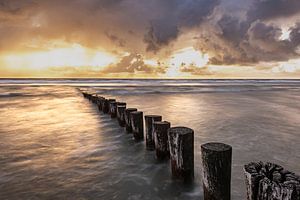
[(54, 144)]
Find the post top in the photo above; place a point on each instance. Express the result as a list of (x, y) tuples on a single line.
[(162, 123), (181, 130), (131, 109), (121, 103), (216, 147), (111, 100), (136, 113), (121, 106), (153, 116)]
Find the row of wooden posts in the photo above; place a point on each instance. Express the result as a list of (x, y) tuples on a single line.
[(263, 181)]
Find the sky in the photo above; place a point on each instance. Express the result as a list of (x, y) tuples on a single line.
[(150, 38)]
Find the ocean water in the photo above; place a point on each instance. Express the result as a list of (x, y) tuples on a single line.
[(54, 144)]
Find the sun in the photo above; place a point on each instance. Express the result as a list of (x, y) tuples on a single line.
[(187, 57)]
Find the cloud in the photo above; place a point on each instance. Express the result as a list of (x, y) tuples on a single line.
[(133, 63), (177, 15), (270, 9), (265, 40), (160, 35), (115, 39), (194, 70), (251, 35), (231, 32)]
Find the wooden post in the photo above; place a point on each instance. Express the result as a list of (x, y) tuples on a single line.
[(90, 97), (121, 104), (149, 119), (99, 103), (137, 125), (216, 160), (270, 181), (113, 109), (94, 98), (105, 106), (160, 130), (109, 102), (121, 115), (181, 145), (127, 119)]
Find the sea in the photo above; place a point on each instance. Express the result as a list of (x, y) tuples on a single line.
[(55, 144)]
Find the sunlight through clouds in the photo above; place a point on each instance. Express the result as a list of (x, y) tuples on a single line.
[(159, 39), (75, 56), (186, 57)]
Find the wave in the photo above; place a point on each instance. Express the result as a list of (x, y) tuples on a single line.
[(149, 82), (6, 95), (139, 90)]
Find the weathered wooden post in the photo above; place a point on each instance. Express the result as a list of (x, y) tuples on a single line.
[(121, 104), (121, 115), (149, 119), (216, 160), (128, 120), (160, 130), (137, 125), (99, 103), (109, 102), (94, 98), (105, 106), (270, 181), (181, 145), (88, 95), (102, 103), (113, 109)]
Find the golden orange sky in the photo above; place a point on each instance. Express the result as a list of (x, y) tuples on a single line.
[(150, 39)]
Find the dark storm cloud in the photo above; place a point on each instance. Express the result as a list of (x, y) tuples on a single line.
[(16, 6), (270, 9), (254, 37), (159, 35), (177, 15), (94, 23)]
